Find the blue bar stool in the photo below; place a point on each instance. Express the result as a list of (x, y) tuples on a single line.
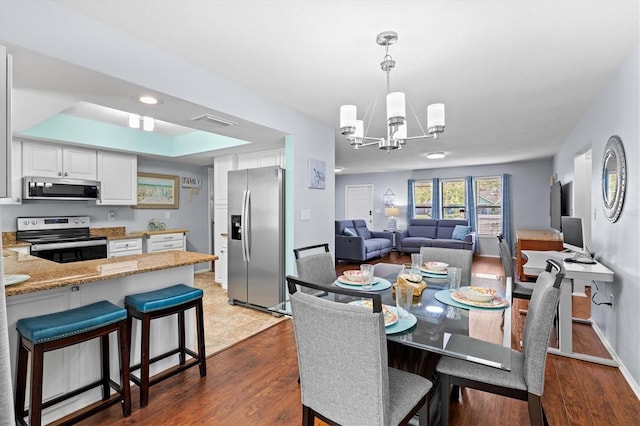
[(37, 335), (157, 304)]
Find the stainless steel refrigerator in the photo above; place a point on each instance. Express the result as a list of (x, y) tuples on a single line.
[(256, 237)]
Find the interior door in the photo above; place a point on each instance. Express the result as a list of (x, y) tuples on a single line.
[(359, 203)]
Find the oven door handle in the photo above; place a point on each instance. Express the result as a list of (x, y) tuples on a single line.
[(57, 246)]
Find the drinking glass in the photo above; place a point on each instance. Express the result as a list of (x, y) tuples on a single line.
[(416, 260), (454, 275), (366, 275), (404, 299)]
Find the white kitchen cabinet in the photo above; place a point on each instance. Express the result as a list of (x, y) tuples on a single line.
[(125, 247), (165, 242), (252, 160), (14, 195), (51, 160), (117, 173), (221, 165)]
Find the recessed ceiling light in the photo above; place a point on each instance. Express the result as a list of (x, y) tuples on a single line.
[(435, 155), (149, 100), (337, 170)]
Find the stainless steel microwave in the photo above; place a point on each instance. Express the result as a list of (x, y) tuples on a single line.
[(48, 188)]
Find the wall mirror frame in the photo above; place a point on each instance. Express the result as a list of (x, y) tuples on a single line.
[(614, 178)]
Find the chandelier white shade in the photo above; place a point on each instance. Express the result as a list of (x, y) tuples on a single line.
[(396, 137)]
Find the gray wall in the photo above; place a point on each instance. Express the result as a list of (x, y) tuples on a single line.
[(529, 193), (615, 112), (192, 214)]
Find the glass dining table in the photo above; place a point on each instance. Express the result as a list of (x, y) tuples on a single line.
[(437, 324)]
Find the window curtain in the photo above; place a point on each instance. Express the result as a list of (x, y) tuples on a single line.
[(470, 202), (411, 184), (435, 198), (6, 400), (506, 210)]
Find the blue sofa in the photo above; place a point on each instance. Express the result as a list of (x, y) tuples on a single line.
[(435, 233), (355, 242)]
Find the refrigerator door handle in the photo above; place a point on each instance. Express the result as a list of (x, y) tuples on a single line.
[(243, 223), (247, 229)]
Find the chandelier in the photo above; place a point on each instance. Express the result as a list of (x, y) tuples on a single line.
[(396, 137)]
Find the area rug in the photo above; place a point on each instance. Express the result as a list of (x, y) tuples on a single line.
[(226, 325)]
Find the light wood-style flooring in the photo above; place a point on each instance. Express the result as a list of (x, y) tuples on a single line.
[(254, 382)]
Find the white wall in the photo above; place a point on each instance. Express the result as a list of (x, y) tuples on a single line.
[(74, 38), (615, 112), (529, 193)]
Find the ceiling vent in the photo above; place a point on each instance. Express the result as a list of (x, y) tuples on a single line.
[(216, 121)]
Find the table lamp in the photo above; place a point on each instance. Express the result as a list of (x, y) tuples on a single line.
[(391, 213)]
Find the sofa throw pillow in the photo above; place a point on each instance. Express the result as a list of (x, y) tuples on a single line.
[(349, 232), (460, 232)]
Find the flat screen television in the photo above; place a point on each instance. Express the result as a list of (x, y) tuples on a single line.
[(555, 206), (566, 194)]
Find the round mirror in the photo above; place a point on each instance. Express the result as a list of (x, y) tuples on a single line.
[(614, 178)]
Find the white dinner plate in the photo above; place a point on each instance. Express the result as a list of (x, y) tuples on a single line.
[(14, 279)]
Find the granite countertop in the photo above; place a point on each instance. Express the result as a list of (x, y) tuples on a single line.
[(46, 275)]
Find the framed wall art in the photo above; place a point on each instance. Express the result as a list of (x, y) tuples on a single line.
[(156, 191), (316, 174)]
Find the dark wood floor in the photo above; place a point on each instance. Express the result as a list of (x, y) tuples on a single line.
[(255, 383)]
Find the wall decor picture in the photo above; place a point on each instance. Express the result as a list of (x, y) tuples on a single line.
[(157, 191), (316, 174)]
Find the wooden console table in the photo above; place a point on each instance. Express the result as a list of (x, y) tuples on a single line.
[(535, 239)]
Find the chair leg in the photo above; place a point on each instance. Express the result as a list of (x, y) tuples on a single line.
[(423, 413), (536, 412), (21, 380), (104, 359), (202, 354), (125, 386), (144, 360), (37, 364), (307, 416), (445, 396), (181, 337)]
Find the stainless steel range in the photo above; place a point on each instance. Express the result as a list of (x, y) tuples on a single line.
[(61, 239)]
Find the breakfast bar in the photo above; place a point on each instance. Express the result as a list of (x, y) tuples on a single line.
[(50, 287)]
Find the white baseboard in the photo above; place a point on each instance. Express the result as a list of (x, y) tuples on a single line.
[(634, 386)]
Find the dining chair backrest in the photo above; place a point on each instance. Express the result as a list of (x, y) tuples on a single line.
[(538, 324), (316, 267), (505, 258), (342, 355), (454, 257)]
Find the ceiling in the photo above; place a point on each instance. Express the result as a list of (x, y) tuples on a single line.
[(515, 76)]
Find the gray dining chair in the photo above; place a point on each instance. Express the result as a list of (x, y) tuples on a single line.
[(525, 381), (519, 290), (315, 264), (342, 358), (454, 257)]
